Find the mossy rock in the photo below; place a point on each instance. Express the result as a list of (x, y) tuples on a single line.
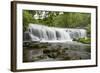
[(66, 48), (52, 55), (83, 40), (46, 51), (61, 51), (67, 58), (88, 49)]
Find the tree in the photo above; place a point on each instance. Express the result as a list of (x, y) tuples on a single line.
[(57, 19), (72, 20), (27, 18)]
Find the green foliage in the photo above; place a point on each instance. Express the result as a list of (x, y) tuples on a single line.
[(83, 40), (71, 20), (88, 28), (57, 19), (27, 18)]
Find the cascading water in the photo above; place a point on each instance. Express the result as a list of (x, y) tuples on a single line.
[(44, 33)]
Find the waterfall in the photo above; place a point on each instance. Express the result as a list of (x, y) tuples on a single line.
[(44, 33)]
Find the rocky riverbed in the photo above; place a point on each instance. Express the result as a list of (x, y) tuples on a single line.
[(36, 51)]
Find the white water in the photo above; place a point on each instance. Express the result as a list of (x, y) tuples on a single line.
[(44, 33)]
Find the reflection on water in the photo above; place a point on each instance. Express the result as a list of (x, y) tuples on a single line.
[(35, 52)]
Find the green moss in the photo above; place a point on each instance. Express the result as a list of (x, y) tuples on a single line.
[(83, 40)]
